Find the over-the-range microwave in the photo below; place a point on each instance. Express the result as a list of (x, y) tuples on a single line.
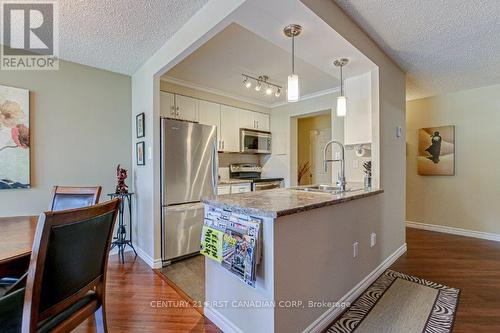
[(254, 141)]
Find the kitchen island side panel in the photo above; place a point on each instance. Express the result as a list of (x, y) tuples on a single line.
[(247, 309), (313, 258)]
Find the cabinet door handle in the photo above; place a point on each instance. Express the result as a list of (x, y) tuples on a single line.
[(172, 112), (223, 145), (257, 124)]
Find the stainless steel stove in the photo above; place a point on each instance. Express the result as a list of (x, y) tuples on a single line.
[(253, 172)]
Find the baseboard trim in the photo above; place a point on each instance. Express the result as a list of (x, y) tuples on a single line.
[(115, 250), (320, 324), (454, 231), (220, 321), (153, 263)]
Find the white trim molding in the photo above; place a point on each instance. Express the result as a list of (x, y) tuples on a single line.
[(153, 263), (320, 324), (454, 231), (220, 321), (214, 91)]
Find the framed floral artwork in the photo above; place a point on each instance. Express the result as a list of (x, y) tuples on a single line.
[(139, 152), (139, 125), (14, 138)]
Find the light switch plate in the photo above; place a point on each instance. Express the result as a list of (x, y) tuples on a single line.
[(373, 239), (355, 164), (150, 153), (399, 131), (355, 250)]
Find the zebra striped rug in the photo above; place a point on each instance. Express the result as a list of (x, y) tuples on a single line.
[(397, 303)]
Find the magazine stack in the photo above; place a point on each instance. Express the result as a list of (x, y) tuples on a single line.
[(234, 241)]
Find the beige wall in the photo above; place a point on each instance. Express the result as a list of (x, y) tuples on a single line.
[(304, 128), (469, 199), (387, 149), (80, 130)]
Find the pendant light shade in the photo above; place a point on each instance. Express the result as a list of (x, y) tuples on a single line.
[(341, 106), (293, 95), (293, 88), (341, 100)]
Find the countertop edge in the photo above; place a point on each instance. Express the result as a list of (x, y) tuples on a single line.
[(277, 214)]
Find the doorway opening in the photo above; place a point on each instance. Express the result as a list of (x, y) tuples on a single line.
[(313, 132)]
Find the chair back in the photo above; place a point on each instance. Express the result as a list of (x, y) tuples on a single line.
[(68, 261), (69, 197)]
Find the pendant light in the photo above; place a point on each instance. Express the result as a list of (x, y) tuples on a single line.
[(292, 31), (341, 100)]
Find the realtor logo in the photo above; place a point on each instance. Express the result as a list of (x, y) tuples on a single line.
[(29, 35)]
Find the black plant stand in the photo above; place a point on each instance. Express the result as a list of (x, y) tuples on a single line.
[(120, 240)]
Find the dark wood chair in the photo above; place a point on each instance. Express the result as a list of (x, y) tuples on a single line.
[(69, 197), (63, 197), (66, 280)]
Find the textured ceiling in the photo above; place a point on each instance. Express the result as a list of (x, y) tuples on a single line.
[(219, 63), (119, 35), (444, 46)]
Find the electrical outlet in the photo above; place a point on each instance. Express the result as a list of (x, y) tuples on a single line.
[(337, 155), (355, 250), (373, 239)]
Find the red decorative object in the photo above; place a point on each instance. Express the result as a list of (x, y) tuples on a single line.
[(121, 175)]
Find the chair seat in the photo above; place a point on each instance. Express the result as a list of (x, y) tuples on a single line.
[(11, 312), (6, 283), (48, 324)]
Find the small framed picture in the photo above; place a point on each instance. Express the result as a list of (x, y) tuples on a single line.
[(139, 152), (139, 125)]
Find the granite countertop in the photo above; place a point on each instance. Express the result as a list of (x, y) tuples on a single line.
[(280, 202), (229, 181)]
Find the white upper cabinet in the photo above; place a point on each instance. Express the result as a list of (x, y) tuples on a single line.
[(229, 129), (209, 114), (262, 121), (246, 119), (167, 104), (358, 120), (186, 108), (254, 120)]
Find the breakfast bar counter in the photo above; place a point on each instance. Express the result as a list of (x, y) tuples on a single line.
[(281, 202), (286, 262)]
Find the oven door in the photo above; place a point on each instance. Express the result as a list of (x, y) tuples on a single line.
[(257, 142)]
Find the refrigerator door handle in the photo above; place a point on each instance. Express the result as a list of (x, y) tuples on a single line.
[(215, 171)]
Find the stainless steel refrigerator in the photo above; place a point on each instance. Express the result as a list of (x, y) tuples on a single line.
[(188, 173)]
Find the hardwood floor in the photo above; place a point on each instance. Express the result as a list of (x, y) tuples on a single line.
[(470, 264), (473, 265), (131, 289)]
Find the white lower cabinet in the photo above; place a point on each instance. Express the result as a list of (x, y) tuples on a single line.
[(241, 188), (234, 188), (223, 189)]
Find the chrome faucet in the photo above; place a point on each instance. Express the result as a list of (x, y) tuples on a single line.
[(341, 183)]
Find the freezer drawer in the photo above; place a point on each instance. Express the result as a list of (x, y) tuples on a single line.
[(182, 226)]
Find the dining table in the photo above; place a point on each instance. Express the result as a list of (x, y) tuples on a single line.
[(16, 239)]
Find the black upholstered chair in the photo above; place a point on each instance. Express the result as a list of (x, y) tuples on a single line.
[(66, 280), (69, 197), (63, 197)]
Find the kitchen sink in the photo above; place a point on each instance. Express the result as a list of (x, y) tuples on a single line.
[(326, 188)]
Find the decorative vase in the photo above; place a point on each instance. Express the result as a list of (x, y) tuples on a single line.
[(368, 182)]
